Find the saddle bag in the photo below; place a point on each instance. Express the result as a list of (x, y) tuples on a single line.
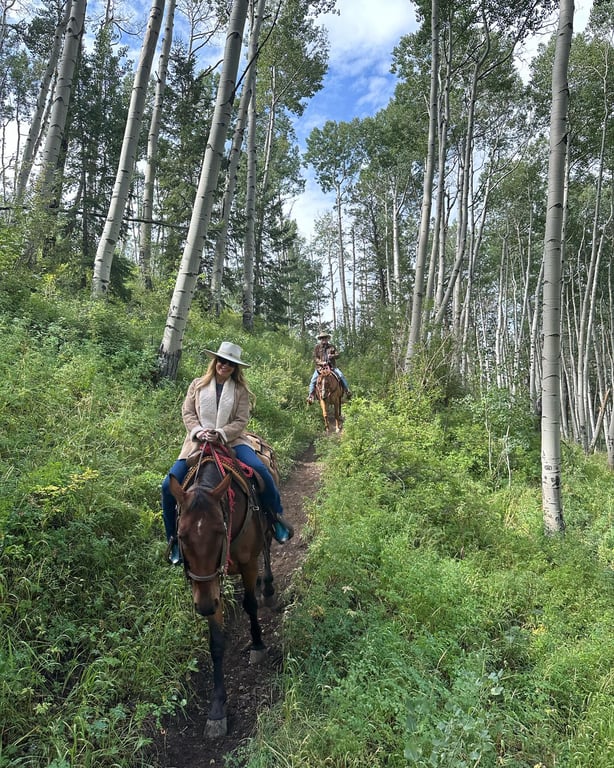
[(264, 452)]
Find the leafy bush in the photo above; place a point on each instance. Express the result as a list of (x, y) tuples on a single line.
[(433, 624), (99, 640)]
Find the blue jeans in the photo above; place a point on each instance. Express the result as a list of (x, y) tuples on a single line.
[(270, 496), (336, 371), (169, 505)]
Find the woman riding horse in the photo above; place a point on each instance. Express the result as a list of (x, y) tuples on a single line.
[(216, 409)]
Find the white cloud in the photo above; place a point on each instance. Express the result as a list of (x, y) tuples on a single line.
[(367, 28), (309, 206)]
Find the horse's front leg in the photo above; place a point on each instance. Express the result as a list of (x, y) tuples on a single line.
[(338, 414), (217, 724), (324, 413), (257, 652)]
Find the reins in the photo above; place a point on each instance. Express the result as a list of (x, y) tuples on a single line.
[(225, 558)]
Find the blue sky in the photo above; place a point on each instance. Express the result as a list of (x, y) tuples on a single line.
[(358, 82)]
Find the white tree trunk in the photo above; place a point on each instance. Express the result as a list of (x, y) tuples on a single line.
[(427, 193), (247, 92), (551, 394), (127, 159), (61, 101), (152, 149), (221, 243), (34, 134), (249, 247), (181, 301), (345, 309)]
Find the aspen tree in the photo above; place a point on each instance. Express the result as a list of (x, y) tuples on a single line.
[(185, 284), (127, 160), (42, 104), (61, 100), (152, 149), (427, 192), (551, 353)]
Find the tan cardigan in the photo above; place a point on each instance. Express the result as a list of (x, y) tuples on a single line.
[(200, 411)]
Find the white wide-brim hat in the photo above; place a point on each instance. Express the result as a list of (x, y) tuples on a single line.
[(323, 335), (229, 351)]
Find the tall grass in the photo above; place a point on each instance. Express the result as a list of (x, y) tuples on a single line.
[(98, 640), (433, 624)]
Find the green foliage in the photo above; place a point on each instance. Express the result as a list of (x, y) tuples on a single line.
[(15, 279), (98, 639), (433, 624)]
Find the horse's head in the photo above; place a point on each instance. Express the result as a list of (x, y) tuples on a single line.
[(203, 536)]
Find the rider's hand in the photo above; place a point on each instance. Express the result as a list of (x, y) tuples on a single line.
[(210, 435)]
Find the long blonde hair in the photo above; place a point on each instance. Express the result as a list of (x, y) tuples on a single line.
[(237, 375)]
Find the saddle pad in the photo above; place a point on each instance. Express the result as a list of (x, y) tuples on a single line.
[(228, 466)]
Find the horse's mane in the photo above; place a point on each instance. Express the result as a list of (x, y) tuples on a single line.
[(208, 478)]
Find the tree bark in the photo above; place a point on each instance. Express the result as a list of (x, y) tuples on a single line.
[(127, 160), (427, 193), (61, 100), (177, 318), (249, 86), (551, 390), (34, 134), (249, 247), (144, 257)]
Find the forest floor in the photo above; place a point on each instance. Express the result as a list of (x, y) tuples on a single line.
[(251, 690)]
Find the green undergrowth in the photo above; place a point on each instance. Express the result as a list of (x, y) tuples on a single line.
[(98, 638), (433, 623)]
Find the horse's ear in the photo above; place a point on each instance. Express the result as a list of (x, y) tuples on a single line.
[(221, 489), (177, 489)]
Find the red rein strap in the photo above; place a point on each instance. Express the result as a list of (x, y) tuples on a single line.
[(231, 499)]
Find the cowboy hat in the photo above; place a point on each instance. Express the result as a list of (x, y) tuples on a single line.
[(229, 351), (323, 335)]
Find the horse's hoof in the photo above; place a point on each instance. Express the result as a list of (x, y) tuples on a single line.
[(214, 729), (257, 655)]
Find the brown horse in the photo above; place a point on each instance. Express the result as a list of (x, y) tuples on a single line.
[(329, 392), (220, 532)]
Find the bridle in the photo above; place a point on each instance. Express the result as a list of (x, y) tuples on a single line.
[(222, 568)]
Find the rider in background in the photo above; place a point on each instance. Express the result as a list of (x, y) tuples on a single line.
[(324, 352)]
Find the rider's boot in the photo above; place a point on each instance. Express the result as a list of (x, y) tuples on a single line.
[(174, 555), (282, 530)]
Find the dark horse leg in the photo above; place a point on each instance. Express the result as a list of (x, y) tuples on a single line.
[(264, 584), (217, 724), (257, 650)]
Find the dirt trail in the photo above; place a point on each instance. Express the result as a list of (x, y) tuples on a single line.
[(250, 689)]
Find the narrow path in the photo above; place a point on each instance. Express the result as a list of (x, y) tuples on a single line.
[(250, 689)]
